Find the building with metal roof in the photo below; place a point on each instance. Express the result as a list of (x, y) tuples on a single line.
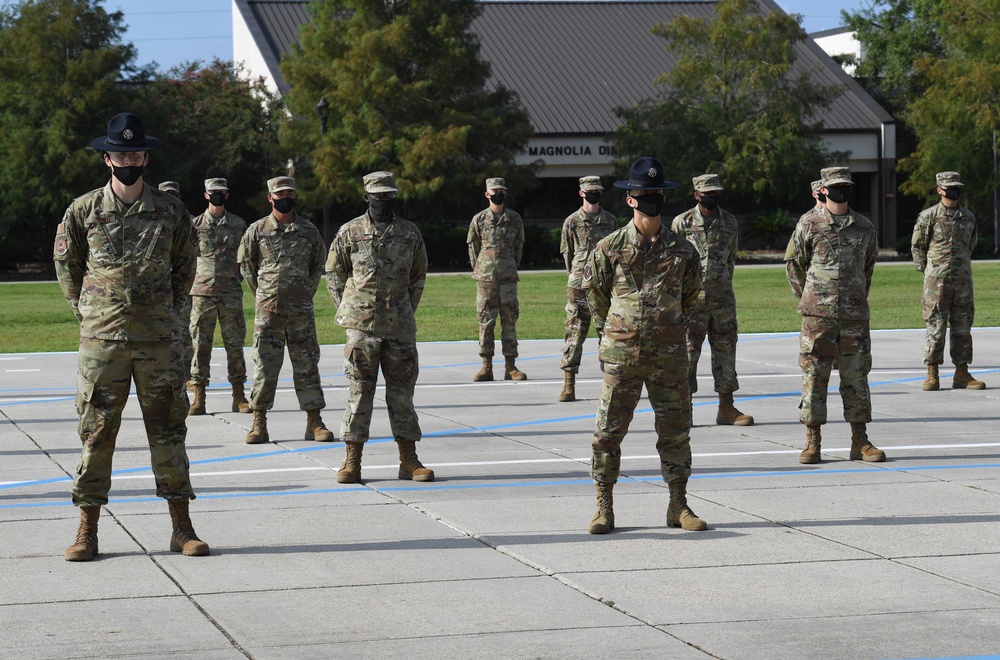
[(562, 57)]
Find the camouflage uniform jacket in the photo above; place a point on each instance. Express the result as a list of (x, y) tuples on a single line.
[(282, 263), (580, 234), (376, 279), (126, 271), (218, 274), (642, 294), (830, 267), (716, 240), (942, 244), (495, 245)]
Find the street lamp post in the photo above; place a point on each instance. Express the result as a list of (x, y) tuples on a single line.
[(323, 109)]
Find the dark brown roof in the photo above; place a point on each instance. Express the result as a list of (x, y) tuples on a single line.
[(572, 62)]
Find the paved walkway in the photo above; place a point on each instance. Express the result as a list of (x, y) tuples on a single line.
[(837, 560)]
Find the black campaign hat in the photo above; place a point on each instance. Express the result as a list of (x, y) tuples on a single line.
[(125, 133), (646, 174)]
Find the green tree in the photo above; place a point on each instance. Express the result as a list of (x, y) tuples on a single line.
[(215, 121), (956, 115), (894, 34), (407, 92), (732, 105), (61, 67)]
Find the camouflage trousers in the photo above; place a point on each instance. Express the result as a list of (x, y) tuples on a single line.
[(233, 326), (666, 386), (719, 323), (821, 342), (578, 318), (364, 354), (105, 374), (497, 299), (187, 343), (945, 303), (272, 332)]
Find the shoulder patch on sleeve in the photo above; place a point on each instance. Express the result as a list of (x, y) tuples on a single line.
[(61, 247), (588, 272)]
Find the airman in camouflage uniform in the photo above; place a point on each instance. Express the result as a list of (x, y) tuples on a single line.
[(496, 242), (829, 262), (281, 259), (187, 343), (943, 240), (714, 233), (375, 273), (642, 282), (580, 233), (124, 255), (217, 294)]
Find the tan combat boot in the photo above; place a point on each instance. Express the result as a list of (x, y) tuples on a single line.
[(963, 380), (510, 372), (861, 448), (486, 373), (240, 403), (258, 430), (183, 539), (728, 415), (198, 406), (604, 520), (933, 382), (410, 466), (350, 470), (569, 387), (811, 453), (84, 548), (315, 429), (679, 514)]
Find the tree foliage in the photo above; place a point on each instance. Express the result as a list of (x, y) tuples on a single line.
[(61, 67), (215, 122), (408, 92), (959, 110), (894, 34), (734, 105)]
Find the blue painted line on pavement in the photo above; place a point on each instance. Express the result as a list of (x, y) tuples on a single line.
[(815, 472)]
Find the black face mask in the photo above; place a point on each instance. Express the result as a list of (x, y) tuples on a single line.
[(128, 174), (838, 194), (381, 210), (217, 199), (952, 193), (710, 203), (650, 205), (498, 198), (592, 197), (284, 204), (821, 197)]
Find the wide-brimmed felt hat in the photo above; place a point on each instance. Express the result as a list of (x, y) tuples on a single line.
[(125, 133), (646, 174)]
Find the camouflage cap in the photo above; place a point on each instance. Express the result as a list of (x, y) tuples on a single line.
[(835, 176), (707, 183), (496, 183), (279, 183), (591, 184), (816, 185), (379, 182), (216, 184), (949, 180), (170, 186)]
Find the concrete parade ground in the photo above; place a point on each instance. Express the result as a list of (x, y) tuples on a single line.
[(843, 559)]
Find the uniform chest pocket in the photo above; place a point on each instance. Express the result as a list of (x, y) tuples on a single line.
[(269, 247), (100, 243), (206, 243), (151, 238), (849, 247), (364, 260), (624, 279)]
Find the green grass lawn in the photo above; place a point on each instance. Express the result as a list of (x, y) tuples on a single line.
[(34, 317)]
